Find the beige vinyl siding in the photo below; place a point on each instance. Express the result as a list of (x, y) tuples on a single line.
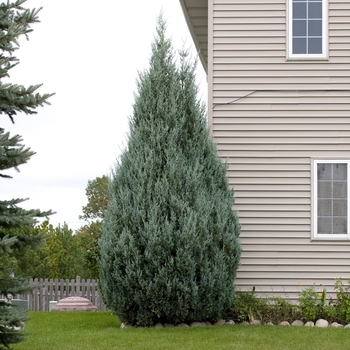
[(269, 117)]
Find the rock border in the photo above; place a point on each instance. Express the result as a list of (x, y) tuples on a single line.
[(321, 323)]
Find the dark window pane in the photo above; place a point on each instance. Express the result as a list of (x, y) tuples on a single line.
[(340, 226), (299, 10), (324, 189), (299, 28), (324, 171), (315, 28), (324, 207), (324, 225), (299, 45), (315, 45), (340, 189), (340, 172), (339, 207), (315, 10)]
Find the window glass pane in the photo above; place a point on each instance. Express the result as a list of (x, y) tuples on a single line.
[(315, 27), (299, 28), (339, 207), (299, 45), (315, 45), (324, 225), (340, 226), (315, 9), (324, 207), (340, 189), (324, 171), (340, 172), (324, 189), (299, 10)]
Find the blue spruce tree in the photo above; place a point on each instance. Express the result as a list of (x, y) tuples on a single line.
[(15, 21), (170, 242)]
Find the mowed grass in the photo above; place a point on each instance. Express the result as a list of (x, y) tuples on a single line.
[(101, 330)]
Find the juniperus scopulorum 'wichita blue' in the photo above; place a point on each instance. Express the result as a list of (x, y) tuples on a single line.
[(170, 242)]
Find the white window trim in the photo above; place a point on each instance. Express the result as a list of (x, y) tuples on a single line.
[(325, 20), (314, 216)]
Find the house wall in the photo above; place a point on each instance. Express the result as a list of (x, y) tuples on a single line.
[(269, 117)]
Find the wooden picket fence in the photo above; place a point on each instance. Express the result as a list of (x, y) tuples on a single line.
[(46, 290)]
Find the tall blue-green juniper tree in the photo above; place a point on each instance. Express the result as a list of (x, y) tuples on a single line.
[(170, 242)]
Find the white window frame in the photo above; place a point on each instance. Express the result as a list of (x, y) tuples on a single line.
[(325, 19), (314, 215)]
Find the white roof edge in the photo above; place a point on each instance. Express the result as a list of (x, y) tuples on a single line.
[(193, 34)]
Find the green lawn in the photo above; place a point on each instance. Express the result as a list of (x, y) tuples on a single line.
[(100, 330)]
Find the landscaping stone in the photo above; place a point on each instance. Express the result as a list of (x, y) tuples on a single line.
[(182, 325), (269, 324), (321, 323), (347, 326), (255, 322), (298, 323), (158, 325), (220, 322), (284, 323), (126, 325), (336, 325), (230, 322), (309, 324), (208, 323), (196, 324), (168, 325)]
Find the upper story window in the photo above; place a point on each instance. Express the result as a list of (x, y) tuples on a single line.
[(330, 199), (307, 29)]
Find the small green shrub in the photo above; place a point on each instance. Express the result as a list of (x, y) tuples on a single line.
[(277, 309), (314, 305), (309, 304), (245, 306), (330, 313), (343, 301)]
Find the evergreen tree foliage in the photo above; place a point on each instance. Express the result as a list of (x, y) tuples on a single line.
[(15, 21), (170, 241), (13, 221)]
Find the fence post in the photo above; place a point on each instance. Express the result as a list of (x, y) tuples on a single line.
[(77, 286), (93, 291), (83, 287), (46, 295), (30, 296), (56, 290), (41, 295)]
